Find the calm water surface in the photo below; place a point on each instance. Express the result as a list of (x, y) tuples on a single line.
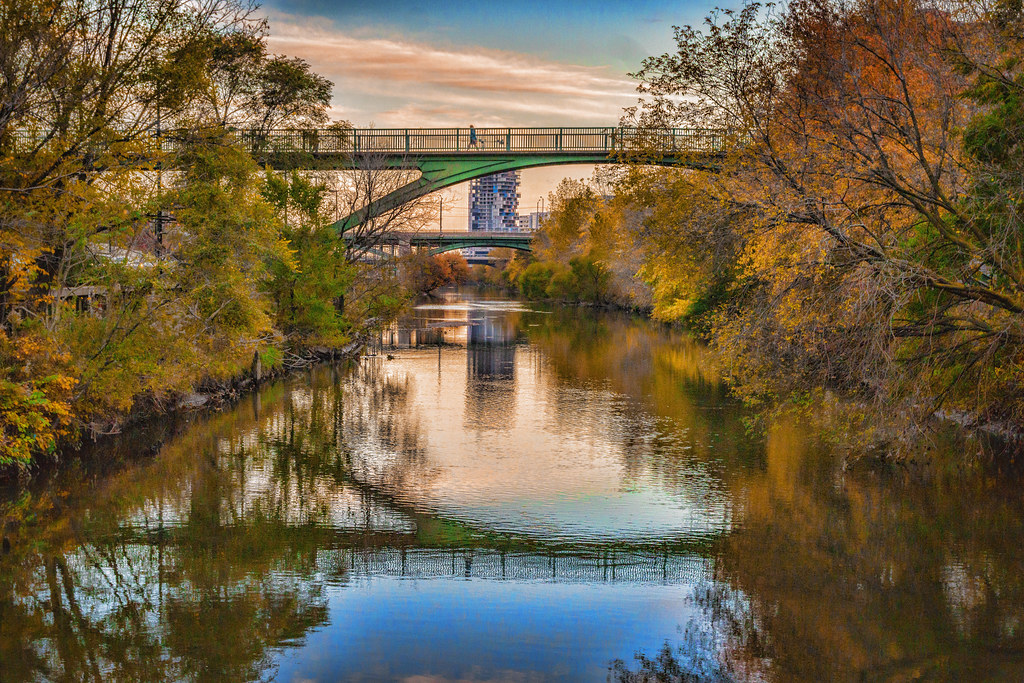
[(506, 493)]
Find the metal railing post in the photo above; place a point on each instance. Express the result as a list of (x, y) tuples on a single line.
[(406, 140)]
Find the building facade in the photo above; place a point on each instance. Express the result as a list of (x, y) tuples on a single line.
[(530, 222), (494, 202)]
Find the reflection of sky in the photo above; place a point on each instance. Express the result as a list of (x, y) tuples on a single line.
[(523, 451), (451, 629)]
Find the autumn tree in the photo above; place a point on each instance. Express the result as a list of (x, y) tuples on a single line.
[(135, 237), (585, 249), (847, 190), (424, 272)]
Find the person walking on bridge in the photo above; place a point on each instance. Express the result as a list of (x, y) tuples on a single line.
[(472, 137)]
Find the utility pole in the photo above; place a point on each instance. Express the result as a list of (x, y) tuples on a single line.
[(159, 183)]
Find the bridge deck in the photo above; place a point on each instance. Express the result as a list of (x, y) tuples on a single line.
[(337, 142), (459, 141), (448, 156)]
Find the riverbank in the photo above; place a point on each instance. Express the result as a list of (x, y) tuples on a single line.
[(208, 396)]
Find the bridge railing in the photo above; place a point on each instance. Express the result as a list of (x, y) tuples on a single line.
[(311, 140), (415, 141), (418, 141)]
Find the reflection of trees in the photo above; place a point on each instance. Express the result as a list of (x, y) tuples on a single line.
[(381, 432), (662, 396), (227, 636), (853, 575), (125, 611), (195, 565)]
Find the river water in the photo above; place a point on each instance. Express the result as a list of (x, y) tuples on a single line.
[(508, 493)]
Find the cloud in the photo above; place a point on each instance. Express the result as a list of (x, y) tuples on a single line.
[(390, 80)]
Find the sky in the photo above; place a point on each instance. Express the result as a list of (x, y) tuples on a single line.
[(398, 63)]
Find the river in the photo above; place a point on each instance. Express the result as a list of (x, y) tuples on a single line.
[(508, 492)]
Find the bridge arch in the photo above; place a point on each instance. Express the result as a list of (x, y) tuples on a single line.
[(480, 244), (438, 173), (449, 156), (440, 242)]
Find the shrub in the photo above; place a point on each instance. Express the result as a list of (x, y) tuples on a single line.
[(535, 278)]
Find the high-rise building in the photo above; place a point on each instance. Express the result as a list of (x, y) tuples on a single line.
[(494, 202)]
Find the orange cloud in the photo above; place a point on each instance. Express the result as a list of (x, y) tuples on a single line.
[(390, 81)]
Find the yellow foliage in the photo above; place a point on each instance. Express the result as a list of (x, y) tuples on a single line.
[(35, 399)]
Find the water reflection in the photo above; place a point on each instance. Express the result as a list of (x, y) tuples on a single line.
[(513, 495), (885, 573)]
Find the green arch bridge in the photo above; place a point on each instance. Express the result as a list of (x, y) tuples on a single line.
[(449, 156), (450, 240)]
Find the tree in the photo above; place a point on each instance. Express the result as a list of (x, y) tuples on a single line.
[(236, 61), (535, 279), (290, 92), (846, 185), (193, 315), (686, 236), (375, 177), (113, 112), (424, 272), (586, 252), (309, 297)]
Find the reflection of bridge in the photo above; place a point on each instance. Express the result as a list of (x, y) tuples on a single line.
[(342, 552), (449, 156), (439, 242), (610, 566)]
